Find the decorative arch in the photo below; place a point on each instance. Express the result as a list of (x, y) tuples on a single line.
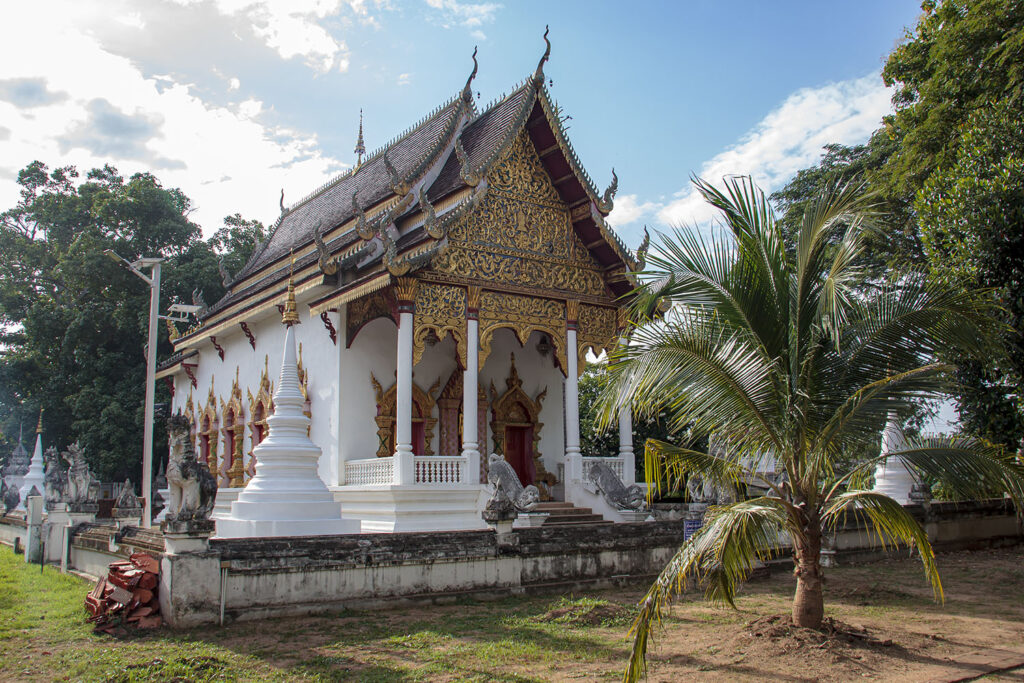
[(261, 406), (522, 314), (515, 413), (365, 310), (422, 419), (232, 468), (208, 429)]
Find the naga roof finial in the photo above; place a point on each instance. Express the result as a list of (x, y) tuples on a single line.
[(360, 149), (539, 73), (363, 228), (606, 204), (398, 184), (641, 252), (328, 266), (467, 92), (290, 315), (430, 222), (281, 201)]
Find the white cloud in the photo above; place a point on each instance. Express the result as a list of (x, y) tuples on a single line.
[(629, 209), (234, 84), (403, 79), (88, 106), (788, 139), (469, 14)]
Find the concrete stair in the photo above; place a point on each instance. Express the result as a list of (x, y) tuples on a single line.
[(566, 514)]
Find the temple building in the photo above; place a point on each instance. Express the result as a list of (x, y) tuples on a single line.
[(449, 288)]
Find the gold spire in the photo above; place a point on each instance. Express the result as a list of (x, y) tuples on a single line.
[(290, 316), (39, 427), (360, 149)]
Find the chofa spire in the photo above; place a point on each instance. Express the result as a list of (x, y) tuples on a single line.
[(290, 315), (538, 75), (360, 149), (467, 91)]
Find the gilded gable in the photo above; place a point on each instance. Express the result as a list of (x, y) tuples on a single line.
[(521, 235)]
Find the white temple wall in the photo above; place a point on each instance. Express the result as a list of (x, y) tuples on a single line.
[(536, 372), (319, 358), (374, 350)]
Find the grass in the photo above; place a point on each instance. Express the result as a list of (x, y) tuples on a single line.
[(44, 635)]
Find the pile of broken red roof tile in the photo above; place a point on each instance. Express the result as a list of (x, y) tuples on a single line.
[(126, 596)]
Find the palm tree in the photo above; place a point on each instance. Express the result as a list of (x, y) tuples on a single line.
[(791, 350)]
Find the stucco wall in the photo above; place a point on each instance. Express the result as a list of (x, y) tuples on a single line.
[(319, 358)]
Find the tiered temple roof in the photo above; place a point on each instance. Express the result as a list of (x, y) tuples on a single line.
[(359, 223)]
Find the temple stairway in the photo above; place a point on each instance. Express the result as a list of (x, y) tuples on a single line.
[(565, 514)]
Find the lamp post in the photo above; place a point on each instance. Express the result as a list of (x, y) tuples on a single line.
[(154, 313)]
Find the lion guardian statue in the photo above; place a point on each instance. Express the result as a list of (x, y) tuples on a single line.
[(193, 489)]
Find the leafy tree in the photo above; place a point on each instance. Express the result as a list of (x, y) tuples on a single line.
[(962, 56), (74, 322), (972, 225), (790, 355)]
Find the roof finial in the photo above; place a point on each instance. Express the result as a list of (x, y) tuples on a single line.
[(281, 201), (360, 149), (39, 427), (539, 73), (290, 315), (467, 92)]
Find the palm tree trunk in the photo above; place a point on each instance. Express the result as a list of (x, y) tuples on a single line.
[(808, 603)]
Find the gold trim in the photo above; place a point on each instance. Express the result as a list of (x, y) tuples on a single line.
[(379, 282)]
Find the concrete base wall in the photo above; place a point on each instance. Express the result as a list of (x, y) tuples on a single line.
[(13, 527), (262, 577)]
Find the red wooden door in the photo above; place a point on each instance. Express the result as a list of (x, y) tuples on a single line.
[(519, 452)]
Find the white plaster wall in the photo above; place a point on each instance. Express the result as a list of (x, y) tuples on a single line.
[(536, 372), (373, 350), (319, 358)]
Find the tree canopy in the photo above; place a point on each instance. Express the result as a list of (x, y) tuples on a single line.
[(74, 322)]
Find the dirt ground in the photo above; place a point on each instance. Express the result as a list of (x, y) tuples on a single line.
[(883, 625)]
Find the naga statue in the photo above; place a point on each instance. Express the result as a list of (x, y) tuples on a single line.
[(506, 483), (55, 481), (81, 488), (615, 492), (193, 489)]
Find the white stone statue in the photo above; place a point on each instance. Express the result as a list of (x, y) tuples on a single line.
[(614, 491), (81, 488), (502, 477), (192, 489), (55, 481)]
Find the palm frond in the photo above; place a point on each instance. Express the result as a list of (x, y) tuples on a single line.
[(891, 523), (702, 376), (666, 466), (719, 556)]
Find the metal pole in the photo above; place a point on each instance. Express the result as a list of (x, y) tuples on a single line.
[(147, 447)]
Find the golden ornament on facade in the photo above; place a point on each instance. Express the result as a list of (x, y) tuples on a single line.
[(363, 310), (441, 309), (234, 433), (422, 409), (405, 289), (522, 315)]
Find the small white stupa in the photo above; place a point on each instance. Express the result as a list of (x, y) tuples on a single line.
[(17, 464), (286, 496), (893, 476), (36, 474)]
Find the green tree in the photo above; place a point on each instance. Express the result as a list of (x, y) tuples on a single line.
[(972, 225), (793, 356), (75, 322)]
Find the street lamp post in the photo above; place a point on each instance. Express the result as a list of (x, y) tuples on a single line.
[(154, 314)]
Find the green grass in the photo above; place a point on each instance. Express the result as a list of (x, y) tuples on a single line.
[(44, 635)]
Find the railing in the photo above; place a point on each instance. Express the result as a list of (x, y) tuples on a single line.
[(439, 469), (368, 472), (614, 463)]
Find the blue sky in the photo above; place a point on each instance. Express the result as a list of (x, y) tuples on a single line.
[(232, 100)]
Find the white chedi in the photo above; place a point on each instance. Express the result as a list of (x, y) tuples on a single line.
[(36, 475), (893, 476), (286, 496)]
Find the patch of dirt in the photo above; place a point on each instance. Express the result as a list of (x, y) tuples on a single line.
[(589, 615)]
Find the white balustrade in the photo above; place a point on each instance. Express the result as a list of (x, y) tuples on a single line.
[(439, 469), (614, 463), (369, 472)]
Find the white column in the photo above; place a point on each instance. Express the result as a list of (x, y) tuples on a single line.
[(626, 454), (402, 466), (470, 379), (573, 463)]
